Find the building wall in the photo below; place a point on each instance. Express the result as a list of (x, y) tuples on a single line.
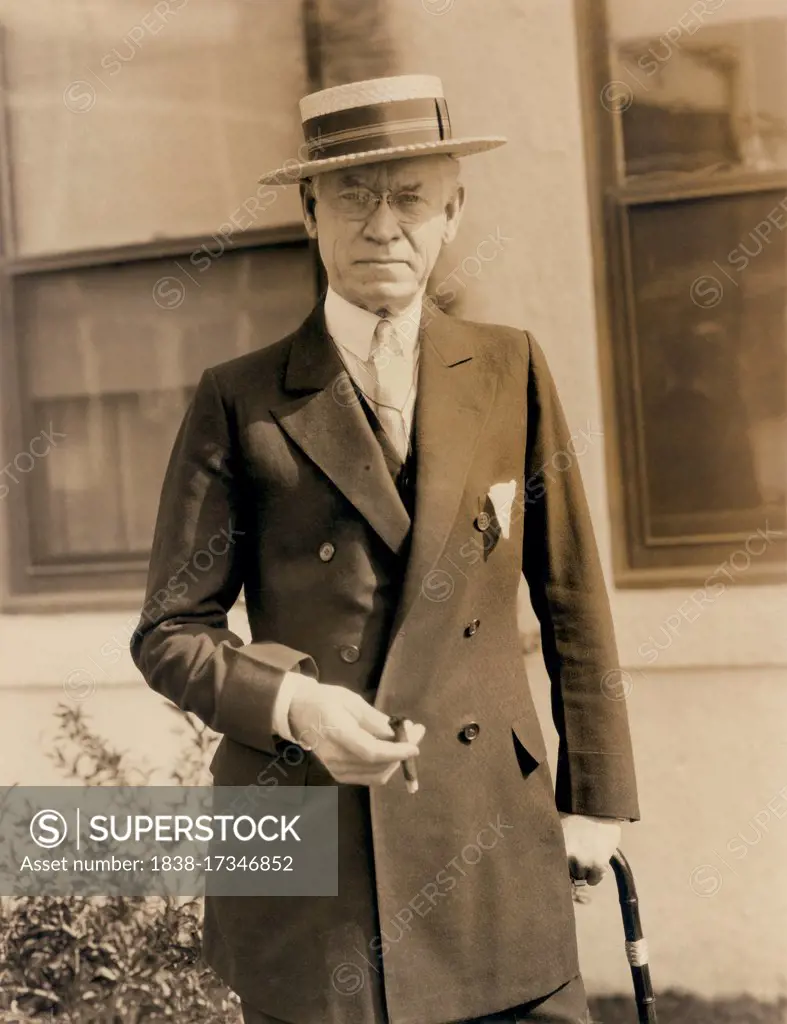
[(708, 716)]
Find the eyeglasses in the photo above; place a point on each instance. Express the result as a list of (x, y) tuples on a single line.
[(361, 203)]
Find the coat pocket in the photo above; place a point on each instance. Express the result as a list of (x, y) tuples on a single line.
[(235, 764), (528, 741)]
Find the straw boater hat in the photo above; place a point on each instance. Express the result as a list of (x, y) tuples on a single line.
[(373, 121)]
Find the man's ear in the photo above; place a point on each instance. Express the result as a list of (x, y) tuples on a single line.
[(308, 205), (453, 213)]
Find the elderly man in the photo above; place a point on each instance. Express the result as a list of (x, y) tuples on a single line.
[(388, 474)]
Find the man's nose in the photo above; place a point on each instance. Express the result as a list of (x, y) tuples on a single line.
[(382, 226)]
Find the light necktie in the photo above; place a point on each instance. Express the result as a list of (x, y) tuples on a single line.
[(392, 378)]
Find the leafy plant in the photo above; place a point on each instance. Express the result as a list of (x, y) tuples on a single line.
[(107, 961)]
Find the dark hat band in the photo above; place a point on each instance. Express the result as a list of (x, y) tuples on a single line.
[(377, 126)]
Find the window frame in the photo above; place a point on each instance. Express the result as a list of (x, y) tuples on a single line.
[(27, 586), (611, 198)]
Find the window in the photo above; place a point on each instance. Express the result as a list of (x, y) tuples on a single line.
[(138, 249), (688, 130)]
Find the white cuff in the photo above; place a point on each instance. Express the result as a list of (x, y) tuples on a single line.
[(292, 683)]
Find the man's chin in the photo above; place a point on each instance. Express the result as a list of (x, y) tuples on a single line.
[(381, 292)]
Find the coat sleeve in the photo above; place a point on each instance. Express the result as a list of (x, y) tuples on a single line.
[(182, 645), (595, 771)]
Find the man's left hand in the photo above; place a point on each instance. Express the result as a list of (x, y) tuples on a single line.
[(590, 842)]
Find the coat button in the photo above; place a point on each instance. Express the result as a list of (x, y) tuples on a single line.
[(482, 521), (472, 627), (327, 551), (469, 732), (350, 653)]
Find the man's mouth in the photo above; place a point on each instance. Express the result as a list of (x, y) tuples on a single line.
[(381, 259)]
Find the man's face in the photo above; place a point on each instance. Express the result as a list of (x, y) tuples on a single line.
[(379, 254)]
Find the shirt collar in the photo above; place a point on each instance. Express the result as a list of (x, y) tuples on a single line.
[(353, 328)]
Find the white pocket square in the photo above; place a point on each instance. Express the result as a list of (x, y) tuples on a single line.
[(502, 498)]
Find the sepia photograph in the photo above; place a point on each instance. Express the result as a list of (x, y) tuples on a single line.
[(393, 511)]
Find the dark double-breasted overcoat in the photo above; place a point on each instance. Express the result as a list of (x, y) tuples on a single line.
[(455, 901)]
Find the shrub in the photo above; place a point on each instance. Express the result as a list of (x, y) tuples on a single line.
[(110, 960)]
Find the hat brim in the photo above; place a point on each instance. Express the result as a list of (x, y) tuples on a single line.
[(296, 171)]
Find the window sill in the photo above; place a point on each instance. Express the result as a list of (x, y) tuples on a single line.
[(80, 601)]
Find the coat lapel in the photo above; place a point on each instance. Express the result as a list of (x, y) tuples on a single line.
[(323, 416), (453, 402)]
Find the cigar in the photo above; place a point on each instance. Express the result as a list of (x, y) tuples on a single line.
[(397, 723)]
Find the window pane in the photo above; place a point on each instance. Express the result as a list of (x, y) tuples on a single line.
[(98, 496), (710, 363), (109, 369), (135, 121), (707, 90)]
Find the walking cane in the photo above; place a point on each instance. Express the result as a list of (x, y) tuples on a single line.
[(636, 946)]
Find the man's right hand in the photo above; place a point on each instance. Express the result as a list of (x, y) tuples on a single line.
[(352, 739)]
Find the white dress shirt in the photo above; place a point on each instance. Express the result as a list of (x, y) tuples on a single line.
[(352, 330)]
